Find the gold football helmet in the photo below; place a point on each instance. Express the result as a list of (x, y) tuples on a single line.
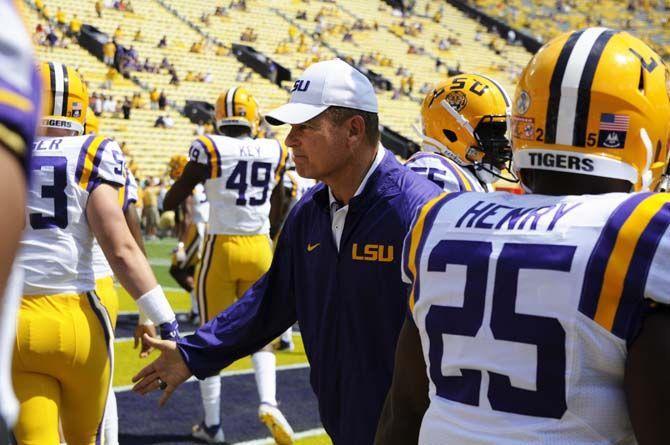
[(594, 102), (92, 124), (237, 107), (65, 97), (176, 166), (466, 118)]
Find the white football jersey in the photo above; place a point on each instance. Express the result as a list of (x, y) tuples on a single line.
[(297, 185), (56, 249), (242, 174), (525, 305), (127, 195), (444, 172)]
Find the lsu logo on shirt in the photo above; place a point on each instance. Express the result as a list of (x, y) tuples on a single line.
[(372, 252)]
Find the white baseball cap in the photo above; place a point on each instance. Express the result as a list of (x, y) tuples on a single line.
[(324, 84)]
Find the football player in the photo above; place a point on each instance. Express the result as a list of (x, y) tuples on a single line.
[(64, 345), (191, 219), (544, 318), (240, 175), (465, 123), (19, 113), (104, 281)]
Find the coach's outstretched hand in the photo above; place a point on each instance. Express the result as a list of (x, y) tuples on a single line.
[(168, 369)]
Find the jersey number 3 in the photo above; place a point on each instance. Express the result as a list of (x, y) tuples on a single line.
[(547, 334), (55, 192)]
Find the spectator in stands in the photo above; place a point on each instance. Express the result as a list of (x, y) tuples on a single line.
[(150, 208), (163, 42), (454, 71), (118, 33), (222, 50), (511, 37), (154, 96), (110, 76), (109, 52), (108, 105), (51, 37), (75, 26), (39, 5), (165, 64), (438, 64), (61, 21), (301, 15), (126, 107), (93, 102), (138, 35), (98, 8), (220, 12), (137, 101), (162, 100), (239, 77), (97, 106), (197, 47), (204, 18), (208, 78), (164, 121), (292, 32), (174, 78)]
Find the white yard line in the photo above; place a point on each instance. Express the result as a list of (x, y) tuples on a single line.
[(125, 388)]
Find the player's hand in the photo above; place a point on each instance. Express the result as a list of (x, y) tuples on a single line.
[(140, 330), (169, 368)]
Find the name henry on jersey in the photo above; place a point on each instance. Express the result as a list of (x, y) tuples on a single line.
[(499, 216)]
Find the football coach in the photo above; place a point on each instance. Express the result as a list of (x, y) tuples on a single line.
[(336, 268)]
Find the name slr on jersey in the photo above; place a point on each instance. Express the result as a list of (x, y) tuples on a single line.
[(372, 252), (47, 144), (564, 161), (499, 216)]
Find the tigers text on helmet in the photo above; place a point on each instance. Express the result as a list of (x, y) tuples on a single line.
[(237, 107), (65, 97), (176, 166), (466, 118), (594, 102)]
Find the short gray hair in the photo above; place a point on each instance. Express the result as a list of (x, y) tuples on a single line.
[(337, 115)]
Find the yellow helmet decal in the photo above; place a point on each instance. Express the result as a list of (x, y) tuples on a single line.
[(595, 102)]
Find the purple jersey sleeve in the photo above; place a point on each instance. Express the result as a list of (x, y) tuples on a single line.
[(20, 87)]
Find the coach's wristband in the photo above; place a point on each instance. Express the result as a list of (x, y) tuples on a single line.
[(156, 307)]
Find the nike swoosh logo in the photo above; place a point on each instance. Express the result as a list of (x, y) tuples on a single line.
[(311, 247)]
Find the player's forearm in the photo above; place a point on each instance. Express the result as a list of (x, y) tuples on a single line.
[(407, 400), (133, 220), (131, 267), (645, 379)]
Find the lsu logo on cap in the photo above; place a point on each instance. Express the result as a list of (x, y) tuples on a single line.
[(300, 85)]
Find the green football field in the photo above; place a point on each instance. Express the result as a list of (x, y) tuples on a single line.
[(127, 361)]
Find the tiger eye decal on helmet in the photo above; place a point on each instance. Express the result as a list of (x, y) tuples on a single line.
[(596, 97)]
